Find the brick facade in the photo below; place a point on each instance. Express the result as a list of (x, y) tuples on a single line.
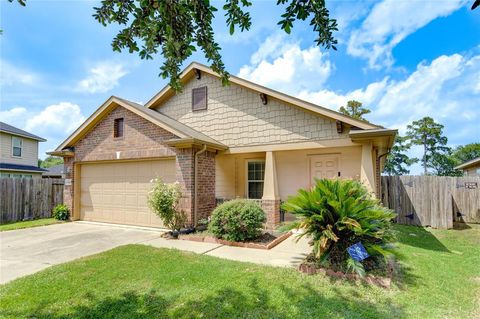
[(144, 140), (272, 210)]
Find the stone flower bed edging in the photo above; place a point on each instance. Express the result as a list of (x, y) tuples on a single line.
[(310, 269), (213, 240)]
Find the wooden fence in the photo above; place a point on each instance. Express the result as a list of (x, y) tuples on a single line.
[(28, 198), (434, 201)]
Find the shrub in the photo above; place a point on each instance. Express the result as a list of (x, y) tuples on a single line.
[(237, 220), (61, 212), (163, 199), (338, 213)]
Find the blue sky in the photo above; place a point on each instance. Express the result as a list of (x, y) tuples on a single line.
[(402, 59)]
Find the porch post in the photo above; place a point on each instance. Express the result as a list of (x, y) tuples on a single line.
[(271, 199), (367, 174)]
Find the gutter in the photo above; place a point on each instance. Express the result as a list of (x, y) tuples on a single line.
[(195, 184)]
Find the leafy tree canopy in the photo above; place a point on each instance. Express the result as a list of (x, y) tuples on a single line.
[(429, 134), (465, 153), (397, 162), (176, 28), (355, 110), (50, 161)]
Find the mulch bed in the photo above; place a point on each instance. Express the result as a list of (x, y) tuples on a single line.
[(311, 269), (265, 241)]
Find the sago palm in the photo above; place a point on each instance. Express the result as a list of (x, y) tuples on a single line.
[(338, 213)]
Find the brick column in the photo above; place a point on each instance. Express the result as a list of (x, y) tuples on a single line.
[(185, 175), (272, 210), (68, 193), (205, 184)]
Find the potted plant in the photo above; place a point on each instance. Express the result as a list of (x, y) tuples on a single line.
[(164, 200)]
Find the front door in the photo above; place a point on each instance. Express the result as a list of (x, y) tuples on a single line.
[(323, 166)]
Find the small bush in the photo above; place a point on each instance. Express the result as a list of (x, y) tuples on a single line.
[(61, 212), (237, 220), (163, 199), (336, 214)]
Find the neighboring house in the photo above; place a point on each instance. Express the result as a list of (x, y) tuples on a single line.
[(219, 142), (19, 153), (56, 171), (470, 168)]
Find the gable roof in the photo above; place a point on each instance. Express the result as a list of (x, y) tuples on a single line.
[(7, 128), (469, 163), (183, 131), (189, 73)]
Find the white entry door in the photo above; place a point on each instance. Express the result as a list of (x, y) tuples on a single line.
[(323, 166)]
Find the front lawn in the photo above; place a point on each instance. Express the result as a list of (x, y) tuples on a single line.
[(441, 280), (29, 223)]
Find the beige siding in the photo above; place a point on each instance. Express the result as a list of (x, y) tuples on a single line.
[(293, 169), (29, 151), (237, 117)]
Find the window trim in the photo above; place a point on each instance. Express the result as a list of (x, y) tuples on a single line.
[(21, 146), (247, 180), (116, 130), (206, 98)]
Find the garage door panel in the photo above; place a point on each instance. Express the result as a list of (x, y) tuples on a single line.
[(118, 192)]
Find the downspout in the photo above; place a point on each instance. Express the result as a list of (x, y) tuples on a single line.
[(195, 184), (379, 157)]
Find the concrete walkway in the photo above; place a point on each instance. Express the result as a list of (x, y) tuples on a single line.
[(27, 251)]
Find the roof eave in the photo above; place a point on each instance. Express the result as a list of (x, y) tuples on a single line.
[(189, 142)]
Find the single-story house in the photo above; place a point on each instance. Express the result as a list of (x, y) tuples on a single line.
[(470, 168), (219, 142), (19, 153)]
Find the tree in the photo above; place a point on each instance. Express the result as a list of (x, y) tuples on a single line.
[(397, 161), (50, 161), (465, 153), (354, 109), (443, 164), (429, 134), (176, 28)]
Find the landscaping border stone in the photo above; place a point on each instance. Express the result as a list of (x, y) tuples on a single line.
[(213, 240)]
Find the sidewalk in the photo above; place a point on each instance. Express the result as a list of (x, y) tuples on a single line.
[(288, 253)]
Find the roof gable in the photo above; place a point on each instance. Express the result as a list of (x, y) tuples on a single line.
[(182, 131), (189, 73)]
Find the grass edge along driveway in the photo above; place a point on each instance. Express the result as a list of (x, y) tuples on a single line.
[(137, 281), (29, 223)]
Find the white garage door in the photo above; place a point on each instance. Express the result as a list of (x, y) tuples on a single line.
[(117, 192)]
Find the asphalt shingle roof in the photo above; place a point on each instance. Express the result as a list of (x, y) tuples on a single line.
[(7, 128)]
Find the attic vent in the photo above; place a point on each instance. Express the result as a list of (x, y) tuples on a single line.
[(199, 98), (118, 127)]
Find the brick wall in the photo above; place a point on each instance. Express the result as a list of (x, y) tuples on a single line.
[(272, 210), (142, 139)]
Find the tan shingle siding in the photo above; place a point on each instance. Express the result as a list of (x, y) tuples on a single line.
[(236, 117)]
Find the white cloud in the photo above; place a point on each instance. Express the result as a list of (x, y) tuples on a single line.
[(391, 21), (287, 67), (13, 115), (54, 122), (102, 78), (444, 89), (11, 74), (56, 119)]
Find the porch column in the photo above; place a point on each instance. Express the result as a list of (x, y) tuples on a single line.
[(271, 199), (367, 173)]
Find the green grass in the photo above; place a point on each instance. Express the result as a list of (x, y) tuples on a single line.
[(441, 280), (29, 223)]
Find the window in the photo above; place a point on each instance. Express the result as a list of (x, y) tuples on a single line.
[(27, 176), (199, 99), (16, 146), (118, 127), (255, 176)]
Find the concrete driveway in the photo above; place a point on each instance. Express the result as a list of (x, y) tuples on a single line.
[(26, 251)]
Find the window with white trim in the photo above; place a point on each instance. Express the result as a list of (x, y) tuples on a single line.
[(17, 146), (255, 177)]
